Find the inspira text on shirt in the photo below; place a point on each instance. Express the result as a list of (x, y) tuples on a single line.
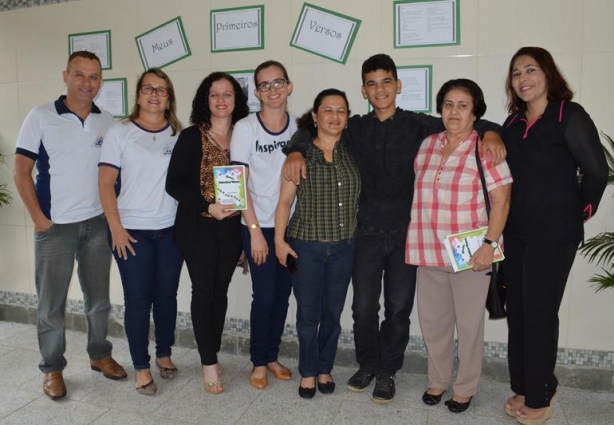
[(270, 147)]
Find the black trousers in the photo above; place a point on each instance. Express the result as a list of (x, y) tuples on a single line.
[(382, 348), (536, 274), (211, 249)]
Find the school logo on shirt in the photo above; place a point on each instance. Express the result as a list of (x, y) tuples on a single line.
[(167, 150), (98, 142)]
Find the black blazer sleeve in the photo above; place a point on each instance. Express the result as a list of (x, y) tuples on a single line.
[(183, 178)]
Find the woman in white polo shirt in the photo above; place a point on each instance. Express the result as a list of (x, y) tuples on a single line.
[(141, 221)]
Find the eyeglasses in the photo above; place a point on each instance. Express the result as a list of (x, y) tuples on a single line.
[(160, 91), (276, 84)]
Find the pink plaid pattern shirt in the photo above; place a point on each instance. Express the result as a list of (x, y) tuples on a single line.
[(448, 197)]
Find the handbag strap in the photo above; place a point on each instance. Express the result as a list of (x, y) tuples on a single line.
[(482, 179)]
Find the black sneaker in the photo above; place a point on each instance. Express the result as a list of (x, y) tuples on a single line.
[(360, 380), (384, 389)]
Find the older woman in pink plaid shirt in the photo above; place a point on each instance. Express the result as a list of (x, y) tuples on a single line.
[(448, 199)]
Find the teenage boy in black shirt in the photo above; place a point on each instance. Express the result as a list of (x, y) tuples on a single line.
[(383, 144)]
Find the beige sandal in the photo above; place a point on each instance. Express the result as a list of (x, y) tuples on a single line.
[(539, 420), (512, 406), (214, 387)]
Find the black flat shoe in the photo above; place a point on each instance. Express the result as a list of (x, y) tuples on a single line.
[(306, 392), (431, 399), (457, 407), (326, 387)]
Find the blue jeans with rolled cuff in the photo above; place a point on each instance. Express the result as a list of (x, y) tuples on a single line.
[(150, 280)]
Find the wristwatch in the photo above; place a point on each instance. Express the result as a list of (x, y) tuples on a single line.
[(254, 226), (493, 244)]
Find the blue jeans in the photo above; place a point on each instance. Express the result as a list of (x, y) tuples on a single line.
[(55, 251), (271, 287), (150, 278), (382, 348), (320, 285)]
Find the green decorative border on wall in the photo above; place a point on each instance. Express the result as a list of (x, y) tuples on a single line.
[(260, 45), (395, 26), (107, 33)]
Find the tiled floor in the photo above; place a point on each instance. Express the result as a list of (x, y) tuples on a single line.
[(92, 399)]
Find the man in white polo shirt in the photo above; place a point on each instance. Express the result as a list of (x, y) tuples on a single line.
[(63, 138)]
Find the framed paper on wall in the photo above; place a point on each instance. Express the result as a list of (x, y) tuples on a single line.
[(113, 97), (426, 23), (245, 79), (239, 28), (98, 42), (163, 45), (416, 88), (325, 33)]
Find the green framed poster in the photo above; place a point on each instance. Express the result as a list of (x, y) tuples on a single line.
[(98, 42), (426, 23), (113, 97), (416, 88), (245, 78), (239, 28), (163, 45), (325, 33)]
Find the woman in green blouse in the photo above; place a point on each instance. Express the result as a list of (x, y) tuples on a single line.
[(320, 238)]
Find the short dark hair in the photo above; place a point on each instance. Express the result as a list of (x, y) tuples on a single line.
[(82, 54), (268, 64), (470, 87), (558, 89), (305, 121), (201, 114), (377, 62)]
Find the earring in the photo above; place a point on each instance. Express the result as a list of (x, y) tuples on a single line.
[(315, 125)]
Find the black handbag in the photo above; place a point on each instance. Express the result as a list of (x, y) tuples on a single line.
[(495, 301)]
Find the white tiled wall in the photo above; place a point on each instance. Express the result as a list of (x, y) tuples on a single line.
[(33, 52)]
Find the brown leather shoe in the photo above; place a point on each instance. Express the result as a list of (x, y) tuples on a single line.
[(53, 385), (282, 373), (109, 368), (259, 383)]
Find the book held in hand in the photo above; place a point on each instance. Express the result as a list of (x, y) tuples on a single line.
[(229, 183), (461, 247)]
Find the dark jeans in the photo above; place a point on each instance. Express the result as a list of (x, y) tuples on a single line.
[(536, 273), (55, 252), (211, 252), (150, 278), (271, 287), (382, 348), (320, 285)]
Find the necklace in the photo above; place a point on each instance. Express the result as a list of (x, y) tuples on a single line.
[(148, 128)]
